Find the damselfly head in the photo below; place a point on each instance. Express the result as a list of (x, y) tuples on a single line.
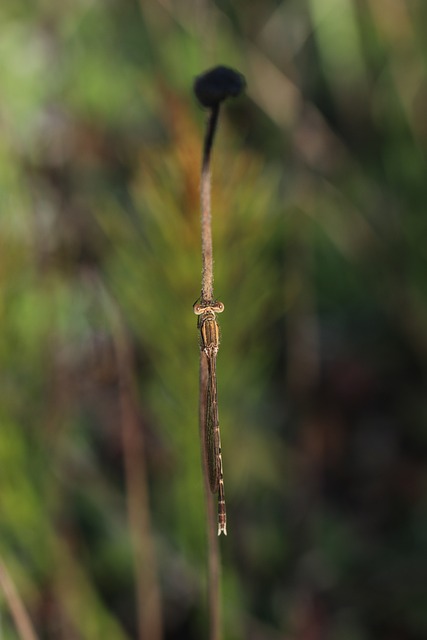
[(216, 307)]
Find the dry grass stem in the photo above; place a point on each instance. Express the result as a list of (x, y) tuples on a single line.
[(16, 606), (206, 215), (138, 508), (213, 543)]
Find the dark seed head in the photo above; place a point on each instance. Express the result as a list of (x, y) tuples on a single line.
[(215, 85)]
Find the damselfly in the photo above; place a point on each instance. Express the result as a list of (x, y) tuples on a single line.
[(209, 344)]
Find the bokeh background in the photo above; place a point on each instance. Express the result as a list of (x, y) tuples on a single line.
[(320, 226)]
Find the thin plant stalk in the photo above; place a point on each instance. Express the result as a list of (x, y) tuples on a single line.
[(211, 88), (214, 587), (134, 456), (206, 217), (214, 599), (148, 596), (16, 606)]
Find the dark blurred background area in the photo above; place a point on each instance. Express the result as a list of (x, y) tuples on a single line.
[(319, 227)]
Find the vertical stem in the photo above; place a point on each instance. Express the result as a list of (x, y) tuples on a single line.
[(207, 296), (16, 606), (213, 544), (134, 455), (205, 199), (148, 596)]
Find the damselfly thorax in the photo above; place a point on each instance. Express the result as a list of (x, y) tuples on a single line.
[(208, 326)]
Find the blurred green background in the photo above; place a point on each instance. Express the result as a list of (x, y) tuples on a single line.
[(319, 205)]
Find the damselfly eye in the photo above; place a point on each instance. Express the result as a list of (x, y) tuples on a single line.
[(198, 308), (218, 307)]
